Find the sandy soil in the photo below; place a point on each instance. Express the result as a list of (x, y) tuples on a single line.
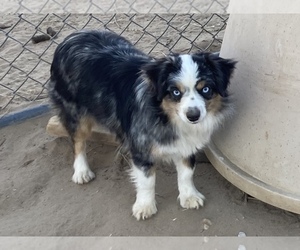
[(38, 198)]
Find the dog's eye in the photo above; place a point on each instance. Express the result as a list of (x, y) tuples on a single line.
[(176, 92), (206, 90)]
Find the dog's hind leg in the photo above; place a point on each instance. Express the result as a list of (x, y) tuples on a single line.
[(144, 180), (82, 172)]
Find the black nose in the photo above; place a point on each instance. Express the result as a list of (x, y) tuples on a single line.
[(193, 114)]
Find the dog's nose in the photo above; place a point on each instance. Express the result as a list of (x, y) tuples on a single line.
[(193, 114)]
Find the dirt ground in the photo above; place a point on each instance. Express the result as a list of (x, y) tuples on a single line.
[(38, 198)]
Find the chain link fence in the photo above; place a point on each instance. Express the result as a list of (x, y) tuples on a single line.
[(114, 6), (27, 46)]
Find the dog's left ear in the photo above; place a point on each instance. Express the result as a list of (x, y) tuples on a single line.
[(158, 72), (222, 70)]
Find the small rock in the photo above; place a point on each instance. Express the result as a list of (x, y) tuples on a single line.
[(240, 217), (206, 224), (241, 234)]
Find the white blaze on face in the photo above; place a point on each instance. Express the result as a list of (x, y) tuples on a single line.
[(188, 77)]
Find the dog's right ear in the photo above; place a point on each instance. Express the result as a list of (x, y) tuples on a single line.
[(158, 71)]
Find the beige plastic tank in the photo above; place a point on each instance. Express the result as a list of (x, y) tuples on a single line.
[(258, 150)]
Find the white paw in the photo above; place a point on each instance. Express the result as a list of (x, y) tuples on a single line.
[(193, 201), (144, 211), (82, 173), (83, 176)]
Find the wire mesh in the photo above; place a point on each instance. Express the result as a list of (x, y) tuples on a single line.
[(27, 46), (114, 6)]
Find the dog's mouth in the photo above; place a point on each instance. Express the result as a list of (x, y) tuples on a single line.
[(193, 122)]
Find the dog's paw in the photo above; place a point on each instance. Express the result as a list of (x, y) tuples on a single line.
[(83, 176), (193, 201), (144, 211)]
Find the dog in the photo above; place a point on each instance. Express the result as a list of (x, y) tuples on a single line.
[(161, 110)]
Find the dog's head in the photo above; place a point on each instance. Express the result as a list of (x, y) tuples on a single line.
[(190, 86)]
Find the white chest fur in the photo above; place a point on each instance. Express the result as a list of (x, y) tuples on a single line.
[(191, 138)]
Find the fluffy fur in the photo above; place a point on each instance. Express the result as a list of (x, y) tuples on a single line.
[(159, 109)]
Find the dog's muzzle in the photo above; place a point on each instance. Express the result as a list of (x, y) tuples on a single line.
[(193, 114)]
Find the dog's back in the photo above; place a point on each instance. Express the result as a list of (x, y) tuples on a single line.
[(90, 71)]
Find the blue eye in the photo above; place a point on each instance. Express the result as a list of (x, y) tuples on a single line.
[(176, 92), (205, 90)]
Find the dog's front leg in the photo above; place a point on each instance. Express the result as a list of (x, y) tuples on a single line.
[(189, 196), (144, 180)]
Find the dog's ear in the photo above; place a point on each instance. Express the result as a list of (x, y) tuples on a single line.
[(222, 70), (158, 71)]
